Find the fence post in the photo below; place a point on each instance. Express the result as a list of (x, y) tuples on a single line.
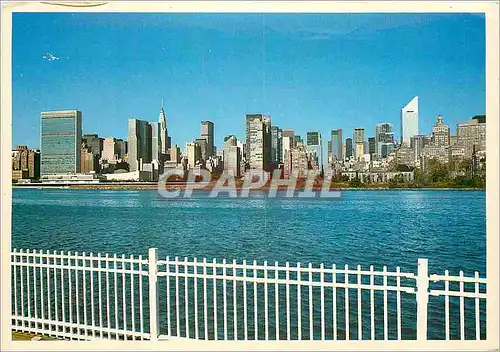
[(422, 298), (153, 293)]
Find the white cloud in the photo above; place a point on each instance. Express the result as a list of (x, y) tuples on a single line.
[(50, 57)]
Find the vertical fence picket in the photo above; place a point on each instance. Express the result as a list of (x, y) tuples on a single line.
[(84, 293), (245, 317), (372, 303), (398, 303), (386, 306), (322, 304), (77, 289), (447, 306), (141, 298), (99, 291), (256, 331), (115, 283), (224, 298), (49, 302), (360, 316), (35, 298), (205, 298), (132, 302), (124, 300), (276, 302), (299, 308), (28, 286), (70, 286), (92, 293), (63, 306), (476, 307), (462, 309), (311, 331), (186, 298), (266, 304), (347, 321), (108, 313), (195, 284), (42, 292), (14, 274), (288, 313), (334, 300), (214, 275), (235, 316), (167, 284)]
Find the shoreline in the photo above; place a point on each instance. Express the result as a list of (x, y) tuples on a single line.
[(208, 188)]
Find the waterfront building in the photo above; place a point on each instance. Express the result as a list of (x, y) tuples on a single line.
[(417, 144), (90, 161), (232, 155), (409, 121), (405, 155), (299, 160), (258, 149), (94, 143), (298, 140), (384, 139), (288, 142), (359, 142), (156, 143), (61, 137), (26, 160), (175, 154), (472, 134), (67, 179), (371, 147), (204, 148), (207, 133), (122, 148), (379, 177), (276, 145), (164, 141), (139, 143), (193, 153), (110, 150), (440, 133), (348, 148), (432, 151), (336, 152)]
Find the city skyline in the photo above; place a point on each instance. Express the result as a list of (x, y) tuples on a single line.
[(293, 89)]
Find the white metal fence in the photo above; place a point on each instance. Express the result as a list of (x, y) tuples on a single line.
[(86, 296)]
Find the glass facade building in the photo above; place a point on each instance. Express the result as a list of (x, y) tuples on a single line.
[(60, 142)]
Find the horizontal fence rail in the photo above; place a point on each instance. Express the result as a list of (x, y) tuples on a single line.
[(87, 296)]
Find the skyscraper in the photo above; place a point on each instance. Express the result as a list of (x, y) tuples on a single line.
[(258, 140), (371, 146), (61, 142), (441, 133), (139, 143), (336, 145), (348, 147), (409, 121), (384, 139), (207, 133), (276, 145), (359, 142), (163, 131), (94, 143), (110, 149), (232, 155), (156, 142)]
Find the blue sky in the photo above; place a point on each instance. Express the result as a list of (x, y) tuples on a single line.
[(308, 71)]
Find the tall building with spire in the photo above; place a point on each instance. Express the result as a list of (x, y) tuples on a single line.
[(164, 138)]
